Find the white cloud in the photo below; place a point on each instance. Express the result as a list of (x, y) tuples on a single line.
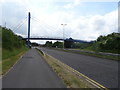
[(72, 4), (82, 27), (89, 28)]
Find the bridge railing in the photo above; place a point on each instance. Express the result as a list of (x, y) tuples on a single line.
[(56, 38)]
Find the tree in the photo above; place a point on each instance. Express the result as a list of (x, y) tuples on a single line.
[(48, 44), (11, 41), (68, 43), (58, 44), (34, 44)]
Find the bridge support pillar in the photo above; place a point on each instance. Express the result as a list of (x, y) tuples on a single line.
[(29, 16)]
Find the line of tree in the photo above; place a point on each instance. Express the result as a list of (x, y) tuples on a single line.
[(67, 44), (109, 43), (10, 40), (56, 44)]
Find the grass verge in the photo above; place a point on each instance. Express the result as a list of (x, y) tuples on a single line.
[(117, 58), (8, 62), (67, 74)]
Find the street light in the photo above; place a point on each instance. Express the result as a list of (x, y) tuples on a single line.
[(63, 33)]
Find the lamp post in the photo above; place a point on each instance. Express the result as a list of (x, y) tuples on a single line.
[(63, 33)]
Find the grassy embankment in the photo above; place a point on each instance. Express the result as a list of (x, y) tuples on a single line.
[(70, 77), (0, 50), (10, 58), (107, 44), (91, 54), (13, 47)]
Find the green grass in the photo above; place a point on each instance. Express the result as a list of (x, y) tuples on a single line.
[(92, 48), (0, 59), (10, 58), (93, 54), (10, 53), (12, 46)]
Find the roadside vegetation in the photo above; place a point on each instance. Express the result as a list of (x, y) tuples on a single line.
[(105, 44), (109, 43), (12, 48), (91, 54), (0, 50)]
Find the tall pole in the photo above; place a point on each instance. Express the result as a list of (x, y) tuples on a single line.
[(63, 34), (29, 29), (119, 16)]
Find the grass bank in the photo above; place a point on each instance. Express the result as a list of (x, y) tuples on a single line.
[(12, 46), (0, 60), (92, 54), (9, 58), (71, 77)]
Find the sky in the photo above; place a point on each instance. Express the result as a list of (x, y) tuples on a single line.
[(85, 19)]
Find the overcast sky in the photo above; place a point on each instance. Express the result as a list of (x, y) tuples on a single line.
[(85, 19)]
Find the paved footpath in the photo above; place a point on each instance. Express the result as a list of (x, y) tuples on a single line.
[(31, 71)]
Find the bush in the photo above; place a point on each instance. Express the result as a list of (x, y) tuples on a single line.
[(11, 41)]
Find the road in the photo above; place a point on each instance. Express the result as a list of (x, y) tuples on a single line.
[(31, 71), (103, 71)]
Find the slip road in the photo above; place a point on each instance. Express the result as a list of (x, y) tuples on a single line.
[(103, 71), (31, 71)]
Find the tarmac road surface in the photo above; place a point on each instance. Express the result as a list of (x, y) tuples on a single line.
[(31, 71), (104, 71)]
